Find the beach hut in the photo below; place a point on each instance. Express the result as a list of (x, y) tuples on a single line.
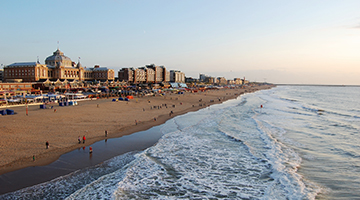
[(130, 97), (42, 106), (121, 99), (126, 99), (2, 112), (114, 100)]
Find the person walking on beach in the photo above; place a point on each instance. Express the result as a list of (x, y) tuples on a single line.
[(84, 138), (47, 144), (79, 139), (105, 133)]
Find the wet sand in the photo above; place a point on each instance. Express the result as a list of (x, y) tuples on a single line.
[(23, 137), (79, 159)]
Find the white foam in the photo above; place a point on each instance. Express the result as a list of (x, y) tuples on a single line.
[(207, 158), (64, 186), (194, 163)]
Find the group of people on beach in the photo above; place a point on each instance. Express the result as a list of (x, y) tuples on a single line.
[(79, 140), (83, 139)]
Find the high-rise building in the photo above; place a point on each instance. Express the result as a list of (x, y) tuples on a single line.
[(139, 75), (158, 72), (126, 74), (177, 76)]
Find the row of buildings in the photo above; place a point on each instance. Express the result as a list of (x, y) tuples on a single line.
[(221, 80), (150, 74), (60, 69)]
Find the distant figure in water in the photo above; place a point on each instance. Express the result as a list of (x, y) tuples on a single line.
[(90, 149), (261, 106)]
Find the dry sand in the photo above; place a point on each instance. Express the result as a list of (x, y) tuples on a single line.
[(23, 136)]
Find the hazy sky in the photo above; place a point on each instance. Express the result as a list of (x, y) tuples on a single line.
[(315, 42)]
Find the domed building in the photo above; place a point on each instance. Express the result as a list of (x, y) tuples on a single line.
[(57, 67), (62, 67)]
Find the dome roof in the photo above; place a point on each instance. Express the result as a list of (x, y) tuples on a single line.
[(58, 56)]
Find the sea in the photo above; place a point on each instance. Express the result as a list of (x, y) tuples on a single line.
[(288, 142)]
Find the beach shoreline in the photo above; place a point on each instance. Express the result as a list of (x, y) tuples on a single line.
[(23, 137)]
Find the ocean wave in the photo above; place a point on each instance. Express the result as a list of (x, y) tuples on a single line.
[(64, 186), (291, 100), (285, 162), (196, 166), (327, 134)]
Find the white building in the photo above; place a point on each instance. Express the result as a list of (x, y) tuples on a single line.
[(177, 76)]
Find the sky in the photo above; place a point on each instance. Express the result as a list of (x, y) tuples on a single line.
[(276, 41)]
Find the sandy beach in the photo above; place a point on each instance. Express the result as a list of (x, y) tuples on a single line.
[(23, 137)]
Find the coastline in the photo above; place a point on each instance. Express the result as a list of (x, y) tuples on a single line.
[(20, 141)]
